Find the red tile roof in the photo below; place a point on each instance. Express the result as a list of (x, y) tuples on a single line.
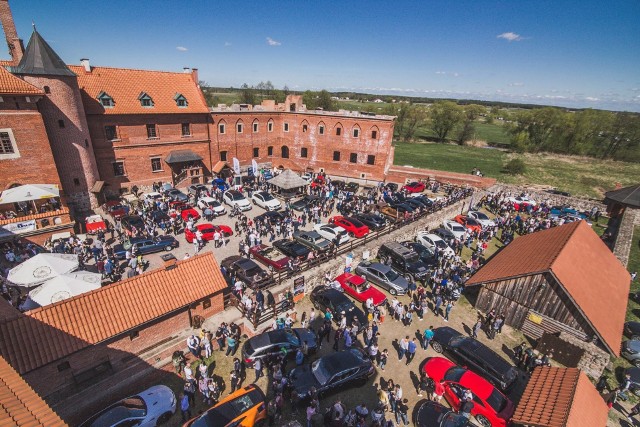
[(12, 85), (49, 333), (592, 276), (125, 85), (560, 397), (20, 405)]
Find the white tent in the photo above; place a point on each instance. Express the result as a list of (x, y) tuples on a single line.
[(28, 192), (65, 286), (41, 268)]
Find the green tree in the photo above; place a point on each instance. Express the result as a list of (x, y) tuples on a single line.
[(445, 116), (469, 115), (325, 102), (536, 128), (247, 95), (309, 98)]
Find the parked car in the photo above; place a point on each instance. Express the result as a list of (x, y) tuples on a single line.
[(159, 216), (146, 245), (632, 330), (207, 230), (373, 221), (130, 221), (433, 241), (383, 276), (402, 207), (445, 234), (330, 373), (301, 204), (245, 407), (359, 288), (422, 199), (220, 183), (212, 204), (153, 406), (426, 256), (197, 188), (307, 176), (414, 187), (116, 208), (428, 413), (270, 256), (391, 213), (391, 186), (469, 223), (482, 218), (403, 260), (95, 223), (292, 249), (271, 343), (236, 198), (338, 184), (324, 298), (354, 227), (455, 228), (471, 353), (185, 211), (559, 192), (246, 270), (272, 216), (631, 351), (332, 233), (491, 408), (177, 195), (520, 202), (152, 197), (266, 201), (312, 240)]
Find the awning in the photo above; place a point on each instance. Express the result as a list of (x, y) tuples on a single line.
[(97, 187), (219, 166), (181, 156), (25, 193)]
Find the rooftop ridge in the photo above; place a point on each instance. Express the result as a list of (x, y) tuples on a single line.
[(81, 68)]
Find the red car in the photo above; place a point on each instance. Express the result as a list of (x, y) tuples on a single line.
[(490, 406), (116, 209), (470, 223), (360, 289), (207, 231), (414, 187), (270, 256), (185, 210), (354, 227), (94, 223), (318, 182)]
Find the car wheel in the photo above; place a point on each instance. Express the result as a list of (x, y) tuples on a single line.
[(636, 363), (436, 346), (351, 235), (393, 292), (635, 337), (484, 422), (164, 418), (168, 248), (409, 278)]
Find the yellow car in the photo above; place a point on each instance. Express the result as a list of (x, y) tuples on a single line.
[(243, 408)]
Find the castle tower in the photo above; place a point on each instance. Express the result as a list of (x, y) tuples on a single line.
[(16, 48), (64, 119)]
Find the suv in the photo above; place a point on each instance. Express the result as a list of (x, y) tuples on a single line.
[(403, 260)]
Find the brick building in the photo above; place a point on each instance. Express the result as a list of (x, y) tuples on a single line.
[(102, 338)]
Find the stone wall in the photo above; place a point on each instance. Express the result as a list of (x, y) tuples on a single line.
[(554, 199), (594, 360), (624, 238)]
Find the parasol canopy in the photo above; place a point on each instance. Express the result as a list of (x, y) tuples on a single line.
[(41, 268), (28, 192), (65, 286)]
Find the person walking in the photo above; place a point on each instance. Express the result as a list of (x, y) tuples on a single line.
[(476, 328), (401, 412), (383, 359), (411, 350), (257, 366), (231, 346), (447, 310), (427, 336), (403, 346), (185, 408), (234, 380)]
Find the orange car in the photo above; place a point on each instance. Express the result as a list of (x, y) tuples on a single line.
[(243, 408), (470, 223)]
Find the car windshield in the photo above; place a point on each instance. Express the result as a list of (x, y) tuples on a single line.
[(213, 203), (391, 275), (454, 374), (320, 372), (452, 419), (292, 337), (236, 196), (132, 407), (457, 227), (360, 288), (441, 244), (497, 401), (266, 196), (480, 215)]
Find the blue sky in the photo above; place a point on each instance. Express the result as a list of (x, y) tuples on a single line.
[(571, 53)]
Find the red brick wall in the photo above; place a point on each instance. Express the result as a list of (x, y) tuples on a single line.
[(320, 148)]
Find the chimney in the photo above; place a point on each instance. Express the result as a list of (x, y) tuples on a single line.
[(85, 63), (194, 75), (186, 70), (16, 47), (169, 261)]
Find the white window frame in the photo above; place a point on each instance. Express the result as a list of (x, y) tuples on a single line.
[(239, 128), (151, 159), (320, 129), (356, 133), (16, 152), (222, 128), (270, 126)]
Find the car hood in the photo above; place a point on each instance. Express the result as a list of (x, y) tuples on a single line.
[(306, 335), (444, 334), (417, 267), (401, 282), (158, 399), (242, 202), (302, 379)]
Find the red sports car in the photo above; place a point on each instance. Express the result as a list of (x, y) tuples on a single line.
[(360, 289), (116, 209), (490, 407), (207, 231), (354, 227), (414, 187), (470, 223), (270, 256)]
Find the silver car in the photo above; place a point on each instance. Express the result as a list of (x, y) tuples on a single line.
[(631, 351), (312, 240), (383, 276)]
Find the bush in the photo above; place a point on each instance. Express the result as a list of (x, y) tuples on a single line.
[(515, 167)]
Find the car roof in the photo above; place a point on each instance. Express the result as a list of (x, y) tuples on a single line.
[(340, 361), (383, 268), (478, 385)]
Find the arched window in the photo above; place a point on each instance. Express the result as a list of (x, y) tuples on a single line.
[(355, 131), (256, 126), (338, 129), (284, 152), (321, 127), (222, 127), (374, 132)]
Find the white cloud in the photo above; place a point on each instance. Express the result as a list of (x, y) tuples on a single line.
[(272, 42), (441, 72), (447, 73), (227, 44), (512, 37), (181, 48), (517, 84), (592, 99)]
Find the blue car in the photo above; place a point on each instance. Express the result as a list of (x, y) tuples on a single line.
[(220, 183), (146, 245), (267, 175), (557, 211)]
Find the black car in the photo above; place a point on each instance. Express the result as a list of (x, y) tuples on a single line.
[(272, 343), (373, 221), (323, 298), (292, 248), (402, 207), (474, 355), (130, 221), (428, 413), (559, 192), (145, 245), (300, 205), (159, 216), (352, 187), (404, 260), (337, 184), (415, 204), (273, 216), (331, 373), (246, 270), (445, 234), (424, 200), (426, 256), (391, 186), (632, 330)]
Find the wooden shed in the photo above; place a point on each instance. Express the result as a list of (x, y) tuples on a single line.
[(564, 279)]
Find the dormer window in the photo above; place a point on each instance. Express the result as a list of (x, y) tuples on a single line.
[(181, 101), (145, 100), (105, 100)]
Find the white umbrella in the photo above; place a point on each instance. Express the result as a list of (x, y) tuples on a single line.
[(41, 268), (65, 286), (29, 192)]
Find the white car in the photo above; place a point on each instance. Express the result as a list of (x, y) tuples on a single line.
[(522, 201), (147, 409), (482, 218), (457, 229), (213, 204), (432, 241), (236, 198), (153, 196), (266, 201), (330, 232), (307, 176)]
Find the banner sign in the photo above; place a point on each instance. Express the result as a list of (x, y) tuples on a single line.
[(18, 227), (298, 288)]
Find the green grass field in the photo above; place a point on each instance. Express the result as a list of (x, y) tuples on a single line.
[(581, 176)]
